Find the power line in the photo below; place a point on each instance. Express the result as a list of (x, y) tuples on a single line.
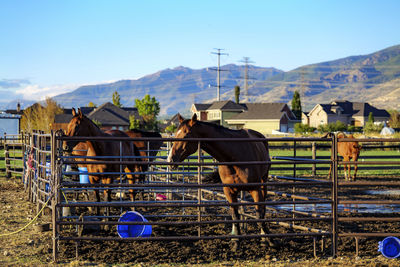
[(219, 54)]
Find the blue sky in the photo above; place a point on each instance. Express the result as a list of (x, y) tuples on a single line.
[(49, 47)]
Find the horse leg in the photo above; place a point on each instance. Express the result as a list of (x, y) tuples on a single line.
[(95, 180), (355, 158), (346, 168), (231, 196), (107, 197), (257, 196), (131, 180)]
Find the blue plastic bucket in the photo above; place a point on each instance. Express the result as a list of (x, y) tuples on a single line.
[(390, 247), (83, 178), (48, 169), (133, 230)]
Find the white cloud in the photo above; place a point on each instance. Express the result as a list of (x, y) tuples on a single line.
[(37, 92)]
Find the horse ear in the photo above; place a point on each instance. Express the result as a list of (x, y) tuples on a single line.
[(180, 118), (193, 120), (73, 112), (80, 113)]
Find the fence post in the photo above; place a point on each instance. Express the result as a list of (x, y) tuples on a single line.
[(55, 178), (199, 191), (6, 157), (335, 200)]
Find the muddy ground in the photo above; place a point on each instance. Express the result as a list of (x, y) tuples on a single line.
[(33, 248)]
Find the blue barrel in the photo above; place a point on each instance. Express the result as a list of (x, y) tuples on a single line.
[(83, 177), (133, 230), (390, 247)]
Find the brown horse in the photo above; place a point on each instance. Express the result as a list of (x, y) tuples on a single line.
[(80, 125), (142, 146), (349, 151), (225, 151)]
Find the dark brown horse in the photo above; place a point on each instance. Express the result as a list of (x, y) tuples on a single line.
[(80, 125), (225, 151), (143, 146)]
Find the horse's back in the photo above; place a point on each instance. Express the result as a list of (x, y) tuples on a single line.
[(154, 145)]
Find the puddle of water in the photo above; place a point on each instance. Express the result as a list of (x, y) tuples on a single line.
[(360, 208), (390, 192)]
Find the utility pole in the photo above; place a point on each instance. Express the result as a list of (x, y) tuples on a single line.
[(246, 61), (302, 87), (218, 53)]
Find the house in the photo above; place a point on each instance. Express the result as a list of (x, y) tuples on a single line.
[(350, 113), (107, 116), (219, 111), (200, 110), (262, 117), (267, 118)]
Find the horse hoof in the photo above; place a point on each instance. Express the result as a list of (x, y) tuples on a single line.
[(271, 243)]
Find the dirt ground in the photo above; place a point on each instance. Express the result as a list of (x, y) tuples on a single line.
[(34, 248)]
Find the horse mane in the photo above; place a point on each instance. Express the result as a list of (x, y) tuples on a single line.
[(224, 130), (146, 134)]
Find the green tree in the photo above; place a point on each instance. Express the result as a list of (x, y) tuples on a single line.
[(371, 117), (116, 99), (148, 108), (133, 123), (40, 117), (296, 105), (370, 126), (170, 128), (394, 120), (237, 93), (92, 105)]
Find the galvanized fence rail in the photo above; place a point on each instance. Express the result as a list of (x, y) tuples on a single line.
[(190, 202)]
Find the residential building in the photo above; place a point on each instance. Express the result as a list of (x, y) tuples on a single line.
[(266, 118), (350, 113)]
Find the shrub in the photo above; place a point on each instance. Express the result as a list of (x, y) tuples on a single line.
[(303, 128)]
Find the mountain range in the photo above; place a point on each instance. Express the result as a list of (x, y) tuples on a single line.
[(176, 89), (373, 78)]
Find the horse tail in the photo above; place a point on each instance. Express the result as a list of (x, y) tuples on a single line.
[(212, 178)]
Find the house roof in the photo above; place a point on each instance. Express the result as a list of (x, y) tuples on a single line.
[(201, 107), (226, 105), (262, 111), (354, 109), (62, 118), (109, 114)]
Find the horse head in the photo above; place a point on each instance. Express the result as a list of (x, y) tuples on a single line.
[(76, 127), (182, 149)]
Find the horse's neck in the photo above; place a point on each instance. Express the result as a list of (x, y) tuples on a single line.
[(95, 147), (218, 150)]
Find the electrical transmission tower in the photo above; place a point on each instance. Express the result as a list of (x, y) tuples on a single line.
[(219, 54), (246, 61)]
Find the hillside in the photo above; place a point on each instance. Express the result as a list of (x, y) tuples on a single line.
[(373, 78), (175, 89)]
